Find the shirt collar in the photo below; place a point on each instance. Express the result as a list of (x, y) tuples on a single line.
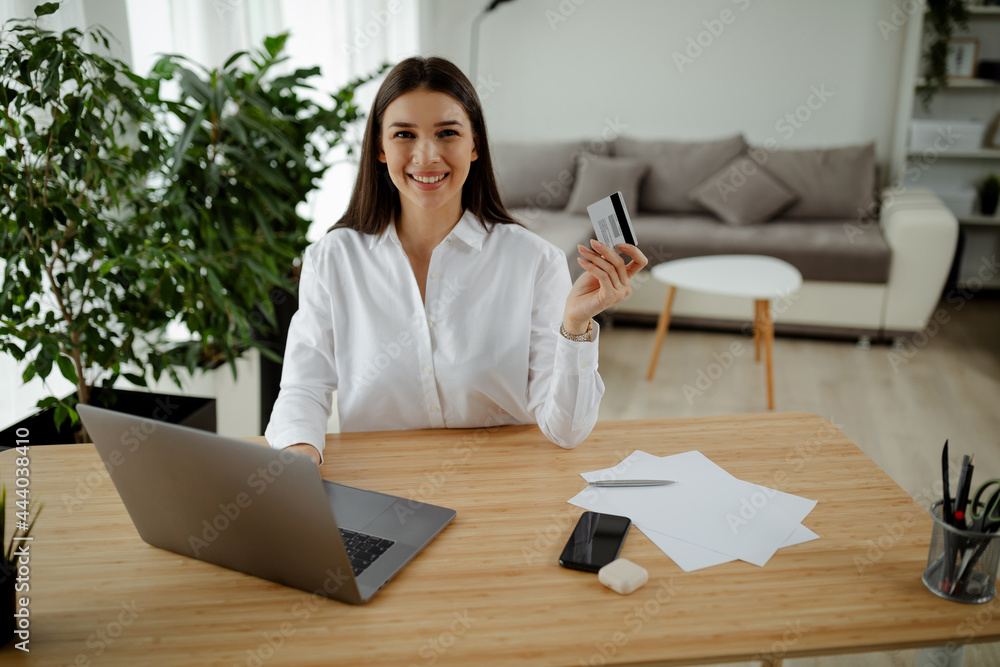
[(468, 230), (389, 233)]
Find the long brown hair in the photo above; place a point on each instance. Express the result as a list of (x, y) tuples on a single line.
[(375, 197)]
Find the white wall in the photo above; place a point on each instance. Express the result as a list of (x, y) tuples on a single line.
[(560, 69)]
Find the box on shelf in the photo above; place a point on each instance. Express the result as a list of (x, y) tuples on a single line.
[(960, 198), (938, 134)]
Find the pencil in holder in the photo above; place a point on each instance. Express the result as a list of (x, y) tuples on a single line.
[(961, 564)]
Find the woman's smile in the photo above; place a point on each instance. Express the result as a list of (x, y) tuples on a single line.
[(428, 180)]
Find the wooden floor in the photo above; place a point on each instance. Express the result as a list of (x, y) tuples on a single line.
[(898, 406)]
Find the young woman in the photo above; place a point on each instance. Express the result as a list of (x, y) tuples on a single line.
[(427, 305)]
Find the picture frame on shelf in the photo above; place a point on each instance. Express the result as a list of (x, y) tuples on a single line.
[(963, 54), (992, 137)]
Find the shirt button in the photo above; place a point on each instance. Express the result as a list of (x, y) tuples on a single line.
[(583, 365), (434, 408), (434, 275), (448, 239), (427, 370), (430, 324)]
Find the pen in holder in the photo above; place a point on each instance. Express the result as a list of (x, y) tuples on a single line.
[(961, 564)]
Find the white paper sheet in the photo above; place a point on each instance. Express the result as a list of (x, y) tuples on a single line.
[(715, 517), (690, 557)]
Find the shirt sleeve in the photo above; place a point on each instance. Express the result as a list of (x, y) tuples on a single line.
[(564, 387), (309, 372)]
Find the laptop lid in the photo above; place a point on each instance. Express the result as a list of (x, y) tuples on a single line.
[(224, 501)]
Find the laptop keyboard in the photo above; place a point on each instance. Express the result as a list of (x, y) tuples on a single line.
[(363, 549)]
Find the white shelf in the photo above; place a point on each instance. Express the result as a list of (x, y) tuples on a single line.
[(956, 99), (984, 220), (984, 154), (966, 84)]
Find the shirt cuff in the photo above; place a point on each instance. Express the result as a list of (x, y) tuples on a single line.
[(293, 438), (578, 357)]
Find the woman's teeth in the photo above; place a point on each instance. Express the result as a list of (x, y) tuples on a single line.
[(424, 179)]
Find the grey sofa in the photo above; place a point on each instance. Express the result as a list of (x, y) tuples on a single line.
[(870, 268)]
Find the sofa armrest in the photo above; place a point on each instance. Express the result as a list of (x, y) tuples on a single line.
[(922, 233)]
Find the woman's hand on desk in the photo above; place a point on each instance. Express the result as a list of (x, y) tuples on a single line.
[(606, 282), (307, 449)]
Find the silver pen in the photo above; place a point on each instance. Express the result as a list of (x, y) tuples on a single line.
[(632, 482)]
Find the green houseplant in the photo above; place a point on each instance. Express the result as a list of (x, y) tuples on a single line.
[(253, 146), (65, 173), (942, 19), (122, 210)]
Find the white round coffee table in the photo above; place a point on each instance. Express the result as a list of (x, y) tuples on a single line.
[(755, 277)]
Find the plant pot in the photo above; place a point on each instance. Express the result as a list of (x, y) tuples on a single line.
[(988, 202), (285, 305), (7, 603), (193, 411)]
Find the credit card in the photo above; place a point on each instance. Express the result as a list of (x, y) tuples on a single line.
[(611, 222)]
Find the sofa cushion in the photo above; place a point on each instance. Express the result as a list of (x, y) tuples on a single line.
[(820, 250), (598, 177), (676, 167), (538, 174), (743, 193), (831, 183)]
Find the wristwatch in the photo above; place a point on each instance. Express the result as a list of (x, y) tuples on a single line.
[(580, 338)]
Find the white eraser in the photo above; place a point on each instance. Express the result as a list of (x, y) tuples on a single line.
[(623, 576)]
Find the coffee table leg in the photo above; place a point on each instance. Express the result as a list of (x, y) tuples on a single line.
[(771, 662), (756, 329), (767, 331), (661, 329)]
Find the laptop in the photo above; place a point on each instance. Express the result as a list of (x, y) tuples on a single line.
[(258, 510)]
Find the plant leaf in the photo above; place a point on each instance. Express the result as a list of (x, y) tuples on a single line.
[(233, 58), (275, 44), (185, 140), (135, 379), (46, 8), (67, 368), (60, 415)]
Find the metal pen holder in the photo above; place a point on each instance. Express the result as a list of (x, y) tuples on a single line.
[(961, 564)]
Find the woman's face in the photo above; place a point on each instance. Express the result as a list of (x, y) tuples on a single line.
[(427, 135)]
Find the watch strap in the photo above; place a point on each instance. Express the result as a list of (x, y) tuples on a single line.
[(580, 338)]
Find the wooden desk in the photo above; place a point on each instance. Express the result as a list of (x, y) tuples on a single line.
[(489, 590)]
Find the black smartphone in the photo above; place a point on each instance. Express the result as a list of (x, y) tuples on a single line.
[(596, 541)]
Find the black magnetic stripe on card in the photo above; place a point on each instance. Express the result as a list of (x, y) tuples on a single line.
[(624, 221)]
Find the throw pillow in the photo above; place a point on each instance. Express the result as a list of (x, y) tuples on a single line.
[(743, 193), (832, 183), (675, 167), (599, 177)]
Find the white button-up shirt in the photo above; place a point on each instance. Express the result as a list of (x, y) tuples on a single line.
[(482, 349)]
